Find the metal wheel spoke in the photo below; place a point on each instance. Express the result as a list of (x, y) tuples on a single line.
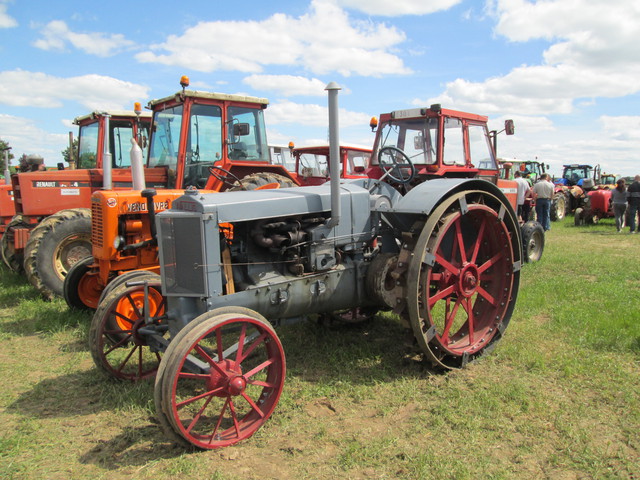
[(251, 348), (459, 243), (492, 261), (219, 344), (243, 333), (234, 416), (126, 359), (119, 344), (134, 306), (476, 248), (159, 307), (189, 401), (207, 358), (260, 367), (220, 417), (449, 321), (470, 319), (440, 295), (253, 404), (126, 319), (199, 414), (487, 296), (448, 266)]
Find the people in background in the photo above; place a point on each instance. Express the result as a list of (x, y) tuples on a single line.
[(633, 198), (523, 190), (619, 202), (542, 193)]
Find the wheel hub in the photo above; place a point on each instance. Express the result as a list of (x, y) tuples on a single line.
[(469, 280), (227, 379)]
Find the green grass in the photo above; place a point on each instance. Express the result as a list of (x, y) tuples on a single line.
[(558, 398)]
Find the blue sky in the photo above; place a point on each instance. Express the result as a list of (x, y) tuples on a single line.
[(567, 71)]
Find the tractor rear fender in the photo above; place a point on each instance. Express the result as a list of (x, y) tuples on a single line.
[(424, 198)]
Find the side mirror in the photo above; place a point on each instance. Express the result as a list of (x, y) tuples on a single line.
[(509, 128), (240, 129)]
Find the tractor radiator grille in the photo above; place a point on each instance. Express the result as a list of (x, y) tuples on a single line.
[(97, 233)]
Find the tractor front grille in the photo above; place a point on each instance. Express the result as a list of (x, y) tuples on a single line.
[(97, 231)]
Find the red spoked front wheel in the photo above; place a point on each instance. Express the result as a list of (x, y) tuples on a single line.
[(220, 379), (463, 279), (119, 332)]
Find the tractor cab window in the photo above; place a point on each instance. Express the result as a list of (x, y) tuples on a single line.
[(120, 143), (480, 149), (416, 137), (453, 151), (88, 146), (247, 139), (313, 165), (357, 161), (203, 145), (165, 139)]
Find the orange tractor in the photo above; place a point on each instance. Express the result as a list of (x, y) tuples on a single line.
[(199, 140), (45, 212)]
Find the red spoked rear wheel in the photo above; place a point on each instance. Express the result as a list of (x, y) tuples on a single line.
[(464, 276), (220, 379)]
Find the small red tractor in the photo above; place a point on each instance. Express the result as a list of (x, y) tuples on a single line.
[(200, 140), (428, 236), (45, 221), (594, 204), (312, 163), (568, 188)]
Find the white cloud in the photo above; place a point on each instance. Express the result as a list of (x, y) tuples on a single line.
[(19, 88), (286, 112), (6, 20), (287, 85), (594, 54), (25, 137), (323, 40), (56, 35), (398, 7)]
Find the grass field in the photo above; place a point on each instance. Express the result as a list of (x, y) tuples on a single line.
[(559, 397)]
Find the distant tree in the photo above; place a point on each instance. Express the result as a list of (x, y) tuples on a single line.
[(3, 146), (74, 156)]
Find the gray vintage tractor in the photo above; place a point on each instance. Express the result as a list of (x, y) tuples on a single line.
[(445, 255)]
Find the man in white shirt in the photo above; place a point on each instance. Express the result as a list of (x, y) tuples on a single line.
[(543, 192), (522, 191)]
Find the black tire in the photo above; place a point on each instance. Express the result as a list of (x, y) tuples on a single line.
[(55, 245), (578, 217), (71, 287), (558, 207), (262, 179), (13, 259), (532, 241)]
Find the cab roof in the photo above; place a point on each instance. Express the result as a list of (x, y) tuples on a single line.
[(228, 97)]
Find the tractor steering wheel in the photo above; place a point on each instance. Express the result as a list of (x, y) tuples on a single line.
[(224, 178), (395, 163)]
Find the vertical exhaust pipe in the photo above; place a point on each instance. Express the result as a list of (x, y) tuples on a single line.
[(334, 153), (107, 169), (137, 169)]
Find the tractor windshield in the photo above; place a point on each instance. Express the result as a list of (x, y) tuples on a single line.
[(313, 165), (247, 135), (120, 135), (204, 144), (416, 137), (574, 174), (165, 138)]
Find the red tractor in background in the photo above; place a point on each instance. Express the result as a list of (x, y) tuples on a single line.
[(59, 200), (594, 204), (416, 137), (207, 141), (312, 163)]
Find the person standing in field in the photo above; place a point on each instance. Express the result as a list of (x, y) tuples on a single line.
[(542, 193), (619, 201), (633, 197), (523, 190)]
